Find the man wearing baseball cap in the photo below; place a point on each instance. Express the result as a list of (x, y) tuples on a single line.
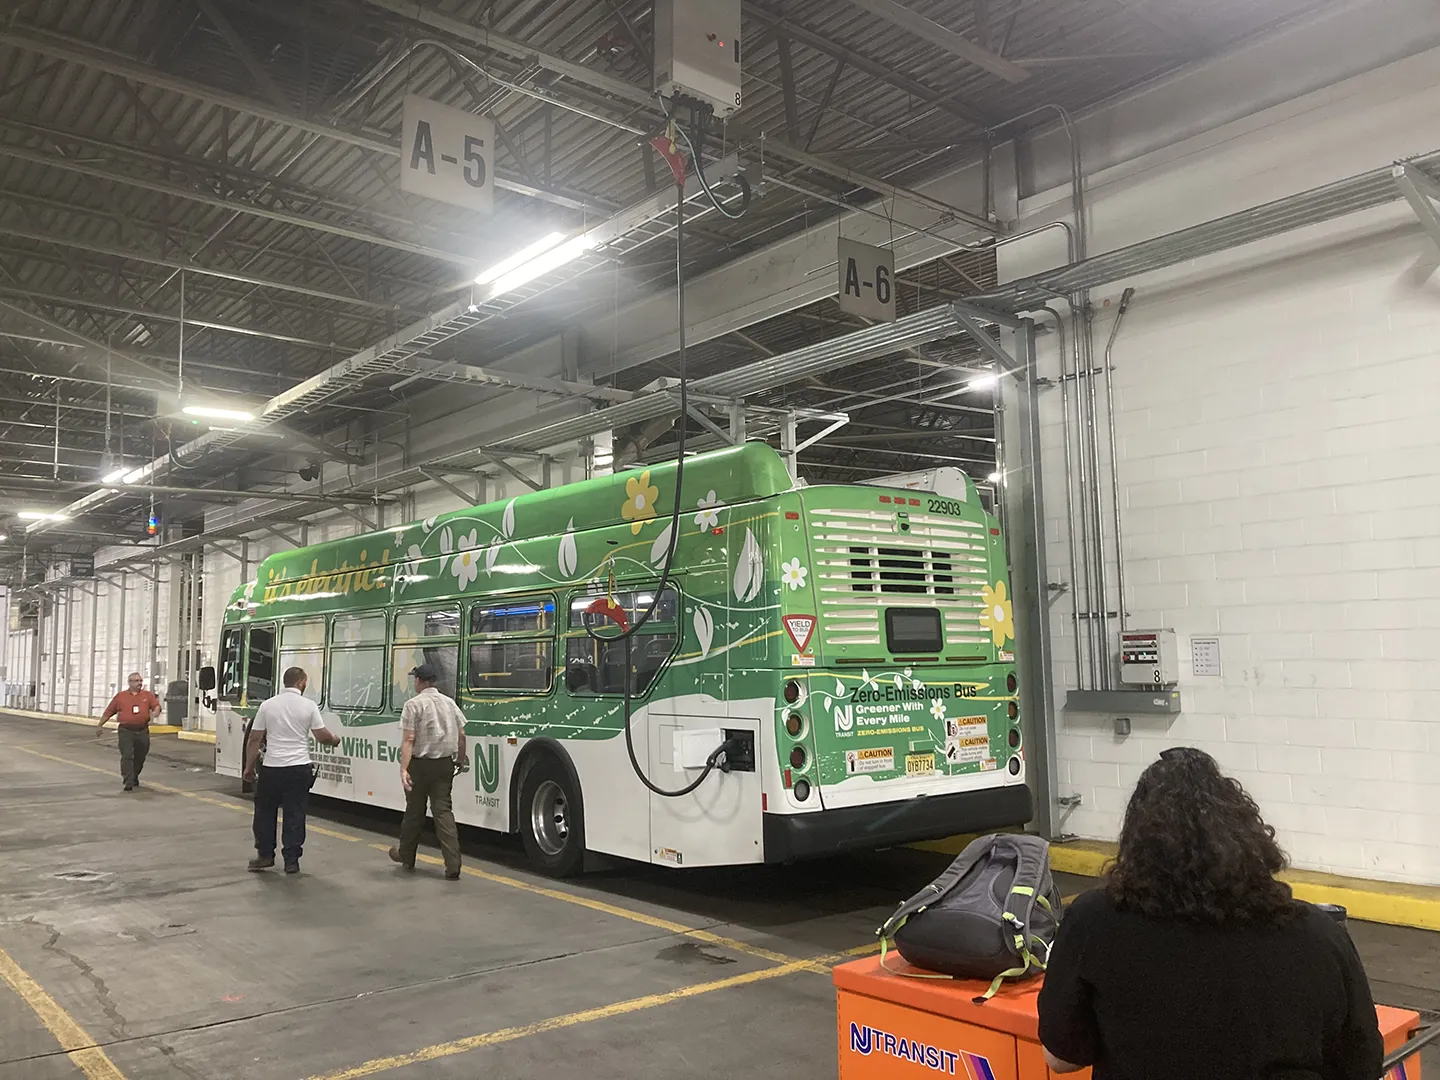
[(432, 738)]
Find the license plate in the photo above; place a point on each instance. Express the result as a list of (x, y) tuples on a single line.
[(919, 764)]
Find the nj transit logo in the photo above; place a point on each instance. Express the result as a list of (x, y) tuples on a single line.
[(867, 1040), (487, 767)]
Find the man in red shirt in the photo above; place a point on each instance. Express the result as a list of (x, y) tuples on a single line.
[(133, 709)]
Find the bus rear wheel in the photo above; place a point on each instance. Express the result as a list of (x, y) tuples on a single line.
[(552, 823)]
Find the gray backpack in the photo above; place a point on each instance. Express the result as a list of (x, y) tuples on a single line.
[(991, 915)]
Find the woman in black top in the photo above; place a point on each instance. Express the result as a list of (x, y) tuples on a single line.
[(1194, 962)]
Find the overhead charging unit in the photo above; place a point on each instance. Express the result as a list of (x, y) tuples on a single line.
[(697, 53)]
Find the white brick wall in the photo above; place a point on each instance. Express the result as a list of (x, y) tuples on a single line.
[(1278, 427)]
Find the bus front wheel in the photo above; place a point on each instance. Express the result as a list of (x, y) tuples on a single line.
[(552, 823)]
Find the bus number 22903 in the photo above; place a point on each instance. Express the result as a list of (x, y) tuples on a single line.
[(946, 506)]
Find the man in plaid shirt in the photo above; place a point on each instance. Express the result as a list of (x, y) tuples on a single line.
[(432, 739)]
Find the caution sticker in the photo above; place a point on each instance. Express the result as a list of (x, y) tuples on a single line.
[(872, 759)]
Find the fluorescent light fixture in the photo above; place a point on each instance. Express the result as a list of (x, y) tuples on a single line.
[(40, 515), (541, 264), (994, 478), (3, 538), (983, 382), (214, 412), (132, 477), (114, 475), (524, 255)]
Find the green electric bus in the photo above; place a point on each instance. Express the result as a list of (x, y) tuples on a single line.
[(851, 648)]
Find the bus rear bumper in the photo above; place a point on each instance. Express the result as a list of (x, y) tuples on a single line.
[(931, 817)]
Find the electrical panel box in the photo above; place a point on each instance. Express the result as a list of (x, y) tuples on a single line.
[(697, 52), (1149, 658)]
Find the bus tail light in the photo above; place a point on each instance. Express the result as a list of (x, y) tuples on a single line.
[(1011, 683), (788, 784), (1014, 766), (1014, 738), (794, 724), (797, 757), (1014, 710), (792, 691), (802, 790)]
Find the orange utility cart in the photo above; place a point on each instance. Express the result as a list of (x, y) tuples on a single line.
[(892, 1027)]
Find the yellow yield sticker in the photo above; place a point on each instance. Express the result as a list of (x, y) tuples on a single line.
[(870, 760)]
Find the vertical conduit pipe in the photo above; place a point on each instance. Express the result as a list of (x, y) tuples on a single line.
[(1097, 512), (1069, 492), (1125, 298)]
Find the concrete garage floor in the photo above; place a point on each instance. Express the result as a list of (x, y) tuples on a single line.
[(129, 919)]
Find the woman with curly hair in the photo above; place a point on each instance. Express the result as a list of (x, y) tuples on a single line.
[(1194, 962)]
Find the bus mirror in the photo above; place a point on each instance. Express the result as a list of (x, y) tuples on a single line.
[(207, 678)]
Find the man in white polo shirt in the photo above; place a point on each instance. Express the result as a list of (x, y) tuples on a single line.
[(284, 723)]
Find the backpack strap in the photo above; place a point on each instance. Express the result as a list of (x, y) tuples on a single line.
[(977, 851), (1024, 894)]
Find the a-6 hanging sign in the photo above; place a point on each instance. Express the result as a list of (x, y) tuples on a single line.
[(447, 154)]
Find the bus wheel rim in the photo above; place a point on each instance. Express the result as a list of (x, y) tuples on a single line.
[(550, 818)]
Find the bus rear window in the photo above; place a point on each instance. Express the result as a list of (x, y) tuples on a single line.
[(913, 630)]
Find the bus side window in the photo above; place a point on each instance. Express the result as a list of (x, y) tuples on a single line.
[(598, 667), (512, 646), (260, 665), (231, 668)]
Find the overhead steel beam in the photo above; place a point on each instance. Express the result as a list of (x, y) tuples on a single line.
[(645, 101), (73, 51), (160, 187), (242, 50), (93, 304), (874, 68), (127, 364), (466, 497), (932, 32), (1423, 195), (189, 267), (497, 460)]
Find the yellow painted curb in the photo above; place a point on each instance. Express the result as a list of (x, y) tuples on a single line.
[(1392, 903), (64, 718), (196, 736)]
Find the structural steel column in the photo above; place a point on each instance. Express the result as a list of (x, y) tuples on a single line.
[(54, 650), (1024, 514), (154, 617), (94, 630), (69, 636), (120, 641)]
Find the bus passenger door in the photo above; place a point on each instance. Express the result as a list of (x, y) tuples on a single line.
[(229, 723)]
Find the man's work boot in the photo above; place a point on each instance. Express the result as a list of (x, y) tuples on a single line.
[(260, 862)]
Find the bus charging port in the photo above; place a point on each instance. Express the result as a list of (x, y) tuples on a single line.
[(740, 757)]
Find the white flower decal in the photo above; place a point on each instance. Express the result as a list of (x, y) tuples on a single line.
[(937, 710), (491, 554), (507, 520), (749, 570), (661, 547), (709, 515), (568, 555), (704, 630), (411, 567), (793, 574), (466, 564), (447, 548)]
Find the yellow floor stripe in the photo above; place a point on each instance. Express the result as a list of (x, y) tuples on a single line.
[(79, 1047), (619, 912), (585, 1016), (235, 807), (499, 879)]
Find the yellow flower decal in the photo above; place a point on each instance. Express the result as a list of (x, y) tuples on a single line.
[(998, 616), (639, 501)]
